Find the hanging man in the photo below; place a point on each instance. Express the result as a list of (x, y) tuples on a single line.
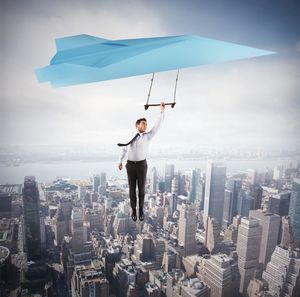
[(136, 165)]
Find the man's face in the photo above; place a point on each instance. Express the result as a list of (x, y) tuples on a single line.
[(142, 126)]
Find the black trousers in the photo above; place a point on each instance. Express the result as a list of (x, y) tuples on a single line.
[(136, 172)]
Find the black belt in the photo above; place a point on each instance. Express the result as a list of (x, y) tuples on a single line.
[(135, 162)]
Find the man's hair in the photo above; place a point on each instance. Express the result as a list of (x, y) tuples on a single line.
[(139, 120)]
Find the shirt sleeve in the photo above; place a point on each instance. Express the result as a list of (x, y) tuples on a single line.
[(156, 126), (122, 153), (124, 149)]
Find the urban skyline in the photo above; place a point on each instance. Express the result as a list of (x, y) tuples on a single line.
[(87, 243)]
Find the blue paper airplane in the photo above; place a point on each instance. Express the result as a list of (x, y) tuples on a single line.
[(85, 59)]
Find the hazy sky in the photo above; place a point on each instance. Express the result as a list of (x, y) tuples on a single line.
[(251, 103)]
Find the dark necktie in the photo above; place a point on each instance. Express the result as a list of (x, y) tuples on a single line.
[(124, 144)]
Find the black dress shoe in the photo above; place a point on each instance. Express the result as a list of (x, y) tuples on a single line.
[(133, 215), (141, 215)]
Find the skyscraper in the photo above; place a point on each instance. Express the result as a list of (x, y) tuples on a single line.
[(283, 273), (200, 193), (214, 192), (102, 186), (173, 203), (227, 212), (251, 176), (77, 230), (31, 201), (174, 185), (286, 238), (169, 175), (234, 185), (5, 205), (294, 211), (182, 184), (187, 228), (195, 184), (212, 234), (103, 179), (270, 229), (249, 235), (88, 282), (60, 226), (81, 192), (280, 203), (245, 202), (96, 182), (221, 274)]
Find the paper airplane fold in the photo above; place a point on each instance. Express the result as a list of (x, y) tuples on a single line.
[(85, 59)]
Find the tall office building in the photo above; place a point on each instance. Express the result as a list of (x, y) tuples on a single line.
[(227, 212), (31, 202), (256, 194), (182, 184), (280, 203), (212, 234), (60, 227), (77, 230), (172, 203), (270, 224), (148, 248), (220, 273), (169, 175), (249, 235), (294, 211), (195, 185), (103, 181), (214, 192), (200, 194), (96, 182), (153, 180), (88, 282), (287, 238), (5, 205), (234, 185), (283, 273), (252, 177), (187, 228), (174, 185), (66, 204), (81, 192), (245, 203), (62, 219)]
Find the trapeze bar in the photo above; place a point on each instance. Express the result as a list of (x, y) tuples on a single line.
[(158, 104)]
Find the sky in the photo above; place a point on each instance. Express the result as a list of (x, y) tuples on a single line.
[(248, 104)]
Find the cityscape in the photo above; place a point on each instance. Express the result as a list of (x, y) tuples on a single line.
[(221, 178), (205, 233)]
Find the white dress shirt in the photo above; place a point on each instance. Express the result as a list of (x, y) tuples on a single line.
[(138, 149)]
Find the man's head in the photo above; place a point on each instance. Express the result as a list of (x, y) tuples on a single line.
[(141, 125)]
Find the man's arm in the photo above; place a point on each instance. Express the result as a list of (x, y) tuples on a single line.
[(158, 122), (122, 153)]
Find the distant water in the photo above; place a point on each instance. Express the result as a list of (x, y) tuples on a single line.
[(47, 172)]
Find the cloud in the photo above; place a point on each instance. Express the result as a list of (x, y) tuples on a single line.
[(249, 103)]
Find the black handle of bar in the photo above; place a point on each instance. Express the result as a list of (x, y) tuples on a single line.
[(158, 104)]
